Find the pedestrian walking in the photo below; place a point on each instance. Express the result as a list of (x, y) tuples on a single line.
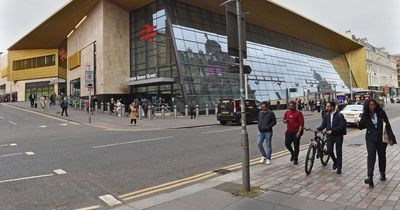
[(375, 120), (53, 101), (119, 108), (132, 115), (32, 99), (42, 103), (335, 127), (266, 121), (318, 106), (192, 107), (64, 106), (311, 104), (295, 124), (112, 106)]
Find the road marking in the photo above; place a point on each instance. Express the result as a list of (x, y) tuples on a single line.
[(43, 126), (1, 117), (132, 142), (13, 154), (6, 145), (231, 129), (29, 153), (89, 208), (12, 122), (26, 178), (13, 145), (59, 171), (63, 124), (110, 200)]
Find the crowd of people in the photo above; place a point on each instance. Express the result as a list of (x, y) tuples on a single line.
[(374, 119)]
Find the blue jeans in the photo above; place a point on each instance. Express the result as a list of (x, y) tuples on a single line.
[(267, 136)]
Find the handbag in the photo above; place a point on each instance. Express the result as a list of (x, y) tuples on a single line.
[(385, 134)]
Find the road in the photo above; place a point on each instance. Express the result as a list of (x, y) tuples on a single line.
[(49, 164)]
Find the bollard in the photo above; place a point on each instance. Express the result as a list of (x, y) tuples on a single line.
[(149, 110), (102, 107), (108, 108), (96, 107), (175, 112), (206, 110), (162, 112), (197, 110), (186, 111), (216, 111), (75, 105), (140, 112), (80, 104), (122, 110)]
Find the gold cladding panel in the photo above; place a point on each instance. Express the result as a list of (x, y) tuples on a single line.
[(4, 72), (358, 64), (74, 61)]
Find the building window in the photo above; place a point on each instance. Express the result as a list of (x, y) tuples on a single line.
[(75, 87), (36, 62)]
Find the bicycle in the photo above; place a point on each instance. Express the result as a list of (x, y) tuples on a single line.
[(318, 145)]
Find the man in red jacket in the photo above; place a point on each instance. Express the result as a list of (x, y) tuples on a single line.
[(295, 123)]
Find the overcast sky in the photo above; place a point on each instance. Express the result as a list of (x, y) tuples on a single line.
[(377, 20)]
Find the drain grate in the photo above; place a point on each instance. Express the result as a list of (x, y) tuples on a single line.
[(222, 171)]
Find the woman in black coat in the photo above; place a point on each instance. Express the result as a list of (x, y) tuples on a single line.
[(373, 119)]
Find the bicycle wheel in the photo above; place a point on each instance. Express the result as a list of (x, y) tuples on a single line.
[(310, 158), (324, 155)]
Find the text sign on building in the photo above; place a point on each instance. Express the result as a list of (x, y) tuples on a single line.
[(142, 77), (89, 78)]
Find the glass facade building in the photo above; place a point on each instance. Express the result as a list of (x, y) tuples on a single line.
[(175, 40)]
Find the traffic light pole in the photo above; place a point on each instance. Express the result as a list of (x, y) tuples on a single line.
[(243, 134)]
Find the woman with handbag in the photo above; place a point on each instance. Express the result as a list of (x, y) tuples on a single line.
[(375, 120)]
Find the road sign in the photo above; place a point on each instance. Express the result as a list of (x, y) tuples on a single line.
[(89, 77)]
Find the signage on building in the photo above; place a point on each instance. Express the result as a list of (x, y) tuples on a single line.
[(89, 78), (142, 77), (147, 33)]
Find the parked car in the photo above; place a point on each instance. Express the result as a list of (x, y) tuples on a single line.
[(229, 110), (352, 113)]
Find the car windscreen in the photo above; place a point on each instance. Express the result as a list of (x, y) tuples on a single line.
[(353, 108)]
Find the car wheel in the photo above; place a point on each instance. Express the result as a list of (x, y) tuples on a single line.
[(222, 122)]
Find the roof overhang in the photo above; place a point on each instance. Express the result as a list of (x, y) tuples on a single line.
[(264, 13), (152, 81)]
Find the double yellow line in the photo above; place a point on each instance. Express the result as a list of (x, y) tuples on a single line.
[(192, 179)]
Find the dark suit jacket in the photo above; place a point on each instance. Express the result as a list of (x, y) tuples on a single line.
[(338, 126), (376, 134)]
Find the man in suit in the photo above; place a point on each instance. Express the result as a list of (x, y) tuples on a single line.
[(335, 126)]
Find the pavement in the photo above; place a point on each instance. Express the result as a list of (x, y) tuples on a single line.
[(287, 186), (115, 123)]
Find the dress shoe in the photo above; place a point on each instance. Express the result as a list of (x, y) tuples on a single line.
[(295, 162), (334, 167), (369, 181), (291, 157), (383, 177), (339, 171)]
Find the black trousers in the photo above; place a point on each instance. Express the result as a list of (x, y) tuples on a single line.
[(133, 120), (290, 138), (374, 147), (64, 110), (192, 113), (338, 140)]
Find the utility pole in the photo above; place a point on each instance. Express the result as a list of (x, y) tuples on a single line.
[(243, 134)]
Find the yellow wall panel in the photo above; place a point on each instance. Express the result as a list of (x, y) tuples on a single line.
[(358, 65), (34, 73), (74, 60), (4, 72), (62, 73)]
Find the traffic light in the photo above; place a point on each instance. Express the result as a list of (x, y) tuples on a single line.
[(232, 30)]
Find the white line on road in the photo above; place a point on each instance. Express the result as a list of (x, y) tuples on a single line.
[(13, 145), (12, 122), (59, 171), (110, 200), (231, 129), (43, 126), (29, 153), (13, 154), (132, 142), (89, 208), (63, 124), (6, 145), (26, 178), (1, 117)]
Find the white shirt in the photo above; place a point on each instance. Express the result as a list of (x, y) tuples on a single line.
[(332, 118)]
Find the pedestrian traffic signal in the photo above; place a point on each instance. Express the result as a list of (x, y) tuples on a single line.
[(234, 68)]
